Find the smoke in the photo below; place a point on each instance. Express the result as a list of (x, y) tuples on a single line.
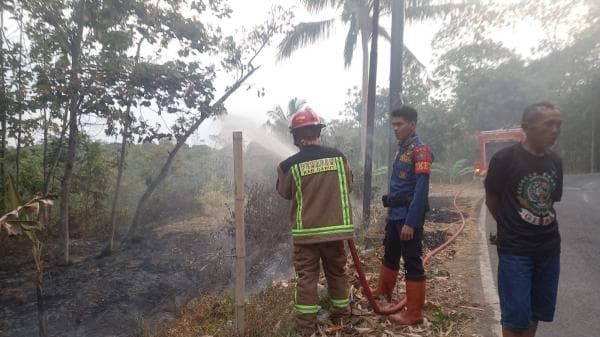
[(254, 131)]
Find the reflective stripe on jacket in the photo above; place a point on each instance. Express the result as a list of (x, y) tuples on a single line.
[(318, 180)]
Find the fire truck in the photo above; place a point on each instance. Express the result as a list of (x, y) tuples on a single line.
[(491, 142)]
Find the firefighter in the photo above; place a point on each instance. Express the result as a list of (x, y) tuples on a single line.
[(318, 180), (407, 203)]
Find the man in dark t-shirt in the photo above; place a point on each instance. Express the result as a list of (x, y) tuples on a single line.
[(522, 184)]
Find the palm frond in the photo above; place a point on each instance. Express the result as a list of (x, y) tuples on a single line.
[(276, 114), (416, 13), (350, 44), (411, 58), (7, 5), (294, 105), (383, 32), (303, 34), (418, 3), (316, 6)]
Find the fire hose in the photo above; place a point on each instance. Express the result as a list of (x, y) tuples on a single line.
[(400, 305)]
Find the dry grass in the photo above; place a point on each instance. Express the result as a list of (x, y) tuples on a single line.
[(268, 313), (449, 310)]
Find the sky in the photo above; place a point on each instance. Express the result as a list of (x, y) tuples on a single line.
[(315, 73)]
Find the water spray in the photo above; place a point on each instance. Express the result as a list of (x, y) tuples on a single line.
[(255, 131)]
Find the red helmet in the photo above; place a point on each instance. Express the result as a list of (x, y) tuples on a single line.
[(305, 117)]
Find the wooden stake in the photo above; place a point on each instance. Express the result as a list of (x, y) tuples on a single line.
[(240, 234)]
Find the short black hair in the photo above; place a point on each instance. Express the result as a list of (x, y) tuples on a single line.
[(532, 111), (407, 112)]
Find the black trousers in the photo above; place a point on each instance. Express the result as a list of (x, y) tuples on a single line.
[(410, 251)]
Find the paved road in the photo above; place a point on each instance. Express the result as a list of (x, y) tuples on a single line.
[(578, 310)]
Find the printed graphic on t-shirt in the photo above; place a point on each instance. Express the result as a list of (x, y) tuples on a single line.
[(535, 198)]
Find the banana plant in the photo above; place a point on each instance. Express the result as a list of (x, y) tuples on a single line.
[(451, 172), (22, 220)]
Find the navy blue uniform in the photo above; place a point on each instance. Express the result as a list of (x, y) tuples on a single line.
[(409, 181)]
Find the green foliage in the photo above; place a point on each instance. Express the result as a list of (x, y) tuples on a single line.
[(452, 172), (13, 200), (278, 121), (195, 174), (91, 186)]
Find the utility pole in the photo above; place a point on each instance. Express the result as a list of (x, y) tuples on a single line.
[(368, 169), (396, 68)]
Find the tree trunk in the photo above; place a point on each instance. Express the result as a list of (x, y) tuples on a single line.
[(180, 142), (113, 211), (3, 117), (44, 212), (41, 308), (63, 133), (364, 92), (74, 89), (19, 104), (593, 143), (372, 92), (396, 70), (126, 122), (156, 182), (45, 153)]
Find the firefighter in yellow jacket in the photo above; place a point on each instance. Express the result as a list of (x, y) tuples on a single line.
[(318, 180)]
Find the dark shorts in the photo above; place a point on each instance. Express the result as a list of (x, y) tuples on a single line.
[(527, 288)]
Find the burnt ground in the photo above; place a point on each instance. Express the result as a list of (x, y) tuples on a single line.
[(442, 209), (143, 283), (441, 212), (149, 282)]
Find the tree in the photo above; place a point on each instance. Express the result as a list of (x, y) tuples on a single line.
[(357, 15), (4, 107), (73, 28), (279, 120), (199, 95), (486, 85)]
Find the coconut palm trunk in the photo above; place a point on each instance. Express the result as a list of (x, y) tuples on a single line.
[(364, 93)]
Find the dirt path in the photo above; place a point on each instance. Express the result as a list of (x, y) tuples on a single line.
[(463, 264), (454, 305)]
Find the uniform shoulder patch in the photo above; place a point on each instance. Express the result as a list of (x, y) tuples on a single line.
[(423, 159)]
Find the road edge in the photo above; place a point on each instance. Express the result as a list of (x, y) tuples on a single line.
[(490, 292)]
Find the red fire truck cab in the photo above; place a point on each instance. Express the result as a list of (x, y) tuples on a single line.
[(491, 142)]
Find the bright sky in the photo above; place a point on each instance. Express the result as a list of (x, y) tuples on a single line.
[(314, 73)]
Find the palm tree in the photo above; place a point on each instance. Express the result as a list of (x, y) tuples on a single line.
[(357, 14), (278, 121)]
